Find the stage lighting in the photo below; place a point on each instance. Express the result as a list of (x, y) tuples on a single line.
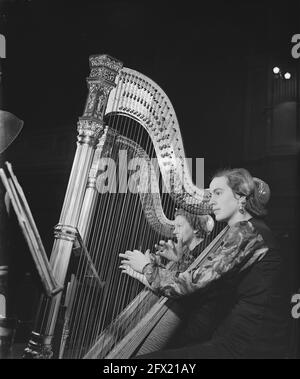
[(287, 75), (276, 70)]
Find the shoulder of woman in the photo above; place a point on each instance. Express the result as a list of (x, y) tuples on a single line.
[(243, 230)]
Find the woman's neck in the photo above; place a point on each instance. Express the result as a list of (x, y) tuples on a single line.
[(238, 217)]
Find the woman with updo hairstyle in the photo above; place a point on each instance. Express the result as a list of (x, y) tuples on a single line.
[(256, 192), (239, 304)]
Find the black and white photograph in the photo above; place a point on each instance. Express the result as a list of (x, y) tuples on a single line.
[(149, 192)]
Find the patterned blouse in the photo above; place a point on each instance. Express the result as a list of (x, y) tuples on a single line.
[(241, 247)]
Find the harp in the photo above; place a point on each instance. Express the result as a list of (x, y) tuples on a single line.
[(108, 208)]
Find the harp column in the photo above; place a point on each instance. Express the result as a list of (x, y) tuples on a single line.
[(104, 70), (90, 193)]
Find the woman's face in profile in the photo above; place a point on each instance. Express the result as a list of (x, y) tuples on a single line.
[(224, 203), (182, 229)]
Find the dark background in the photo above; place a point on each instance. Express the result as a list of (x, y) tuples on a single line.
[(214, 61)]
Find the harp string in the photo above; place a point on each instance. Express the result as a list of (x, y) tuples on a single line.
[(116, 213), (133, 210), (134, 242), (80, 296), (125, 233), (142, 231), (107, 258), (111, 221), (101, 239), (150, 243)]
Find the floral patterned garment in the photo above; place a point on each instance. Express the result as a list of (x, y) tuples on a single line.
[(186, 260), (241, 247)]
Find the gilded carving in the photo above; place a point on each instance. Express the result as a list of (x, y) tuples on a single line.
[(107, 61), (88, 130)]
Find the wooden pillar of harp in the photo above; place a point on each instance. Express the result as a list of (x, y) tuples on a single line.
[(79, 194)]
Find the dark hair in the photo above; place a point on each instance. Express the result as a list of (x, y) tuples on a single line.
[(203, 224), (256, 191)]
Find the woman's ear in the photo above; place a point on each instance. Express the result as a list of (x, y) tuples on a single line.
[(242, 204), (242, 200)]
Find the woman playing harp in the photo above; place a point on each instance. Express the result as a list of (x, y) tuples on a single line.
[(189, 231), (237, 303)]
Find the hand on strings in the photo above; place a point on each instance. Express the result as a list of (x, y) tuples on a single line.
[(126, 269), (136, 259), (170, 250)]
